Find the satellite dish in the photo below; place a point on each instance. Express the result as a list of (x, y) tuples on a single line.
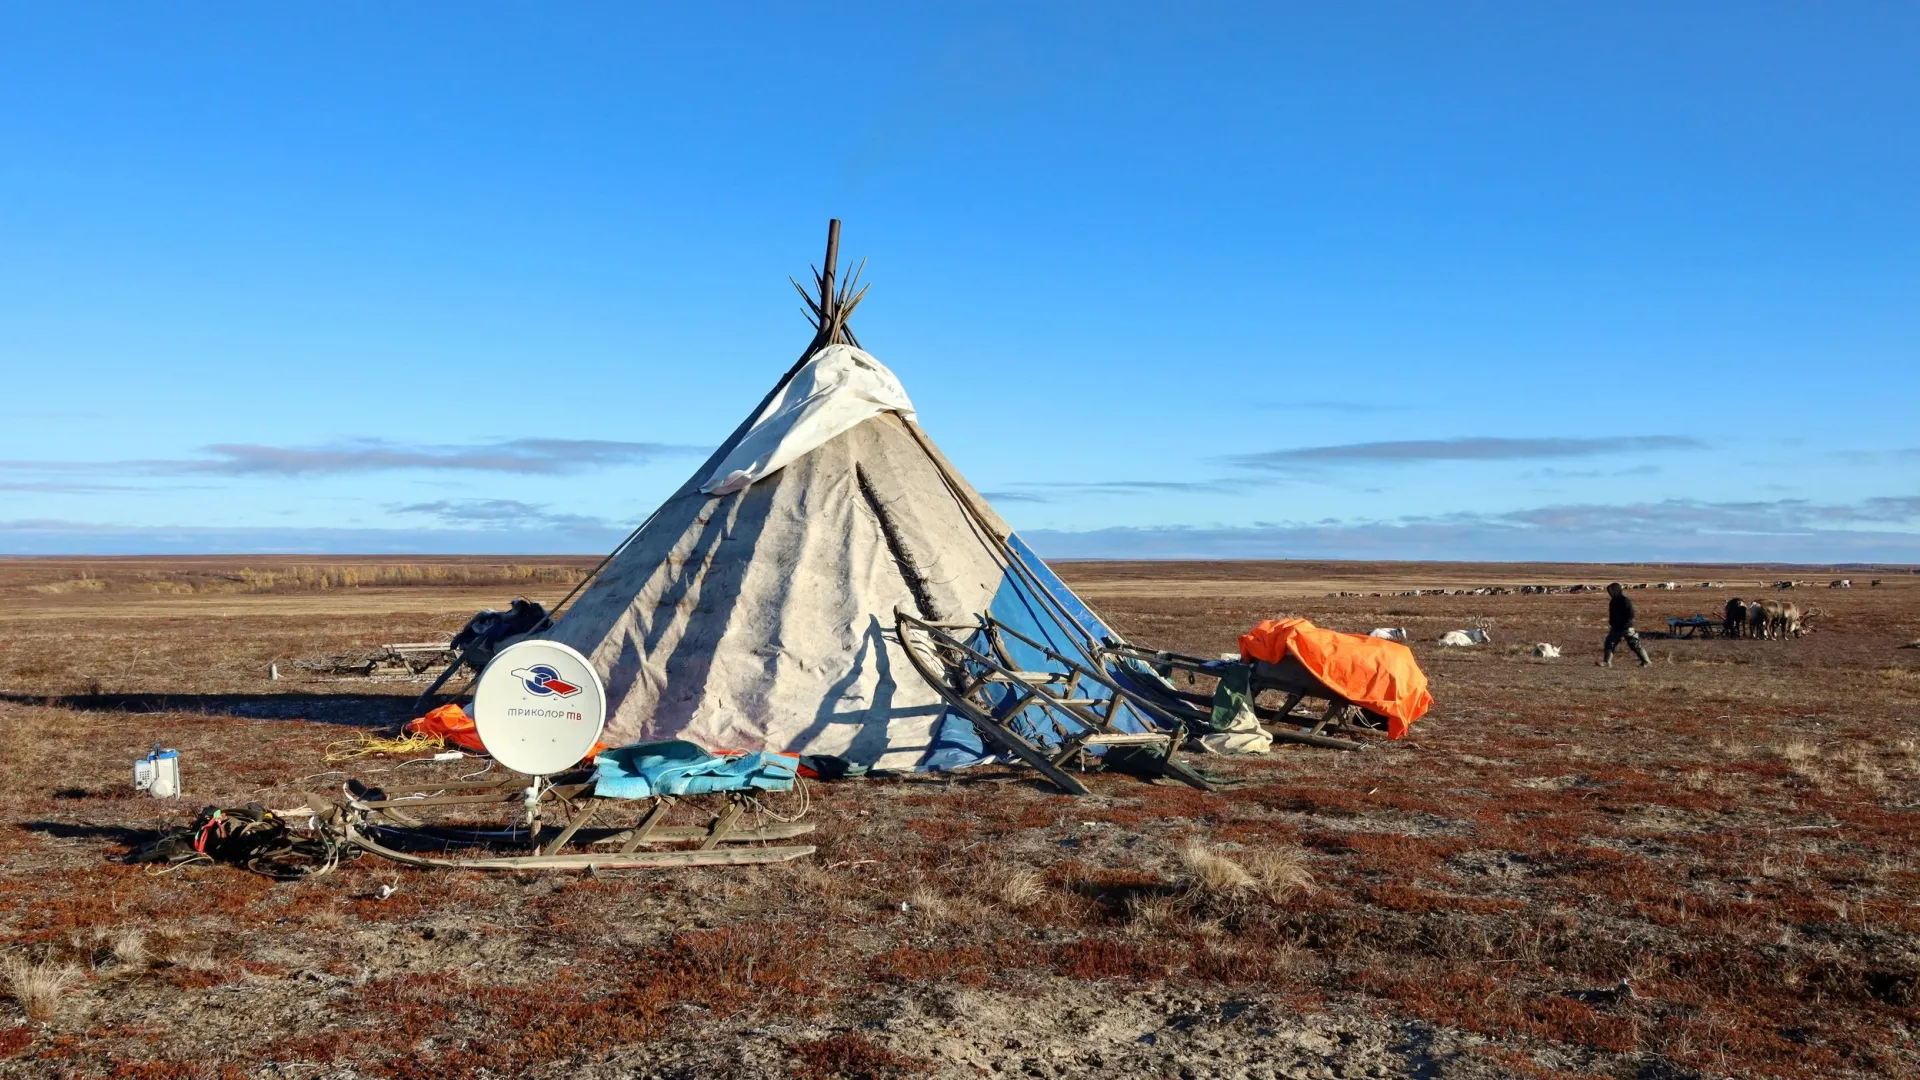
[(539, 707)]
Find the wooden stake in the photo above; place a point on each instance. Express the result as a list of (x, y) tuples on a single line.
[(833, 256)]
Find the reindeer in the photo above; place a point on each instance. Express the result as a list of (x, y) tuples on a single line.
[(1760, 618), (1784, 621), (1735, 621), (1798, 622)]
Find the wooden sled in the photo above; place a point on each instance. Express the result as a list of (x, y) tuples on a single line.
[(557, 823), (1078, 703), (1289, 678)]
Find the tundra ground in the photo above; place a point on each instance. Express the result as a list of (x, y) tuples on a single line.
[(1730, 831)]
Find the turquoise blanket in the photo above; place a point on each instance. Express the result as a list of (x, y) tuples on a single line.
[(677, 767)]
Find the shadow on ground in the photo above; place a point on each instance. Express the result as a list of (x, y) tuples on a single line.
[(75, 830), (363, 710)]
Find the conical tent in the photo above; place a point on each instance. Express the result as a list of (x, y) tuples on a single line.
[(755, 609)]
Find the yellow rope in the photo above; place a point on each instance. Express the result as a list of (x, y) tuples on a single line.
[(158, 870), (365, 745)]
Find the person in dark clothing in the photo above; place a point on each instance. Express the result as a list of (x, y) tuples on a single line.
[(1620, 627)]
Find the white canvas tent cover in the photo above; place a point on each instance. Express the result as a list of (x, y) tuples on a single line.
[(835, 391), (755, 608)]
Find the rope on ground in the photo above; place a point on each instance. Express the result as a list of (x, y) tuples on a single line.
[(365, 745), (251, 837), (162, 869), (800, 790)]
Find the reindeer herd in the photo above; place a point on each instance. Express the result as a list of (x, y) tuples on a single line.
[(1772, 620)]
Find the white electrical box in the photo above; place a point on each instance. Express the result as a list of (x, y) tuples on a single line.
[(158, 774)]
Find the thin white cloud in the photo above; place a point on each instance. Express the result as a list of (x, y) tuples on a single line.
[(501, 514), (1041, 491), (62, 487), (53, 537), (375, 455), (1476, 448), (1881, 529), (1277, 466), (534, 456)]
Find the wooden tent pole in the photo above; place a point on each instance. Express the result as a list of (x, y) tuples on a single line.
[(828, 266), (824, 336)]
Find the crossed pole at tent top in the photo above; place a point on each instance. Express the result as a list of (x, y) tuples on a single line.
[(827, 309), (831, 302)]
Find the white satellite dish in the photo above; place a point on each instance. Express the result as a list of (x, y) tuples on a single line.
[(539, 707)]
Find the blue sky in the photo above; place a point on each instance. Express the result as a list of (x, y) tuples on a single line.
[(1500, 281)]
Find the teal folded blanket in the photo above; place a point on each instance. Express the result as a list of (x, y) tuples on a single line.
[(677, 767)]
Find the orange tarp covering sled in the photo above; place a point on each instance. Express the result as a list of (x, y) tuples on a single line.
[(1371, 672), (449, 722)]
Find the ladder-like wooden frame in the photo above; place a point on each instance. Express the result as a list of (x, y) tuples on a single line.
[(965, 677), (393, 826), (1290, 679)]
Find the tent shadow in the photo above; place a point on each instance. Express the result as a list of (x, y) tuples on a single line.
[(1014, 776), (1032, 781), (76, 830), (357, 710)]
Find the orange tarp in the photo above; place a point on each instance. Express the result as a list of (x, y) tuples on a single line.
[(1371, 672), (451, 723)]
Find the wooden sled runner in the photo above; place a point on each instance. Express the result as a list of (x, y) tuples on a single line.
[(557, 824), (1289, 678), (1078, 704)]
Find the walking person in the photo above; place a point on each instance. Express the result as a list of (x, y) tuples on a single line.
[(1620, 626)]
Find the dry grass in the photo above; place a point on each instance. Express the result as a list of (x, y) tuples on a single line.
[(38, 987), (1734, 834), (1274, 875), (129, 949), (1797, 751), (1021, 889), (1153, 915), (1213, 875), (1279, 875), (850, 1054), (136, 577), (929, 908), (200, 959)]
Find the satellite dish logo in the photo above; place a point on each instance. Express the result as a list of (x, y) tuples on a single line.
[(543, 680)]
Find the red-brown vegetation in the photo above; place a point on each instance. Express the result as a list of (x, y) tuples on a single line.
[(848, 1055), (1729, 831)]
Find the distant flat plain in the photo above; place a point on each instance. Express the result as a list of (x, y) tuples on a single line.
[(1732, 830)]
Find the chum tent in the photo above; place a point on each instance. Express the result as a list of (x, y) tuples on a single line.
[(756, 607)]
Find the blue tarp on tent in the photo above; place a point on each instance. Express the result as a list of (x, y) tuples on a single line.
[(1064, 624)]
